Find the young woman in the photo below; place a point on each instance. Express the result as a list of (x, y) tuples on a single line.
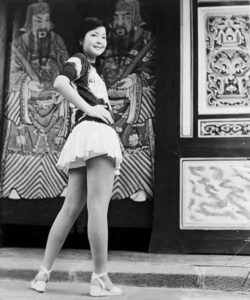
[(91, 156)]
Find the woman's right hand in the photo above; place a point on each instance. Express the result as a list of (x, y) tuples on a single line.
[(100, 111)]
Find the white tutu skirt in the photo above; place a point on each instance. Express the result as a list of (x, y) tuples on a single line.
[(89, 139)]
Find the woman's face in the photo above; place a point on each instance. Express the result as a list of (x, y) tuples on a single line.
[(95, 42)]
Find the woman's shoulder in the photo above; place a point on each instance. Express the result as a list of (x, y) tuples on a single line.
[(81, 63), (82, 57)]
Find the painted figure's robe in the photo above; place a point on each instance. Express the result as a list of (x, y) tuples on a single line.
[(134, 109)]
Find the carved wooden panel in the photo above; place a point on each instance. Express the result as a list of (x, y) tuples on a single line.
[(224, 128), (224, 59)]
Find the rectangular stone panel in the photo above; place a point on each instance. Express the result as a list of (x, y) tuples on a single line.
[(215, 193)]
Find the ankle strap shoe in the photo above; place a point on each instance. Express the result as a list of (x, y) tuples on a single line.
[(40, 285), (101, 289)]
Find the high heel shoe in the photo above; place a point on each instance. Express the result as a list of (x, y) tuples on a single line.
[(101, 289), (40, 285)]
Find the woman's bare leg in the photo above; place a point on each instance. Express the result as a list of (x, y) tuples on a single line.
[(74, 202), (100, 175)]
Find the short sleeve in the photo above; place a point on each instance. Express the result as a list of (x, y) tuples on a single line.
[(75, 67)]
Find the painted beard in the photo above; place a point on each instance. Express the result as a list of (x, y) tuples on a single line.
[(121, 44), (44, 41), (43, 45)]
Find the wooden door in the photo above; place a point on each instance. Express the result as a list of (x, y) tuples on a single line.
[(202, 139)]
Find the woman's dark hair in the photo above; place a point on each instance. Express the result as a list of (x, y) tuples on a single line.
[(89, 24)]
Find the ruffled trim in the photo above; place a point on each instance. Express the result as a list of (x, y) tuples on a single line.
[(87, 140)]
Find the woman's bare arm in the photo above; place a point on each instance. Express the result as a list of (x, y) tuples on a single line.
[(63, 86)]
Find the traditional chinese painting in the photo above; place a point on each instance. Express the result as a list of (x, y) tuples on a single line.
[(129, 73), (224, 60), (38, 120), (36, 117)]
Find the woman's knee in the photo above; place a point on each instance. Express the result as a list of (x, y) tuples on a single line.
[(71, 211), (97, 208)]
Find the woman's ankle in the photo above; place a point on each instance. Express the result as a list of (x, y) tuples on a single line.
[(102, 277), (46, 268), (43, 274), (42, 277)]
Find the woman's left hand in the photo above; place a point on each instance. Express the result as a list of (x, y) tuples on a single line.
[(101, 112)]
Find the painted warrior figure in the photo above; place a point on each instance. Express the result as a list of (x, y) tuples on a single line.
[(128, 70), (37, 120)]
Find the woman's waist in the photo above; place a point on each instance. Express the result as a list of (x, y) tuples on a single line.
[(81, 116)]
